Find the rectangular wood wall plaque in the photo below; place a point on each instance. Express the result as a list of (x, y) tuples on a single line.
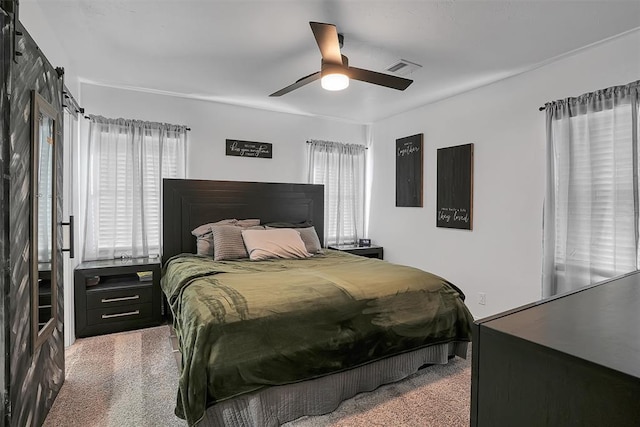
[(454, 208), (236, 147), (409, 169)]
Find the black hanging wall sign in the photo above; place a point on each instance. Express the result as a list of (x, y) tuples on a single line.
[(455, 187), (236, 147), (409, 162)]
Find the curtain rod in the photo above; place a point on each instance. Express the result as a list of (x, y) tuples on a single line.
[(68, 96), (89, 118), (365, 147)]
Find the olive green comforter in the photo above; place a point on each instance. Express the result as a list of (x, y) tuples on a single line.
[(245, 325)]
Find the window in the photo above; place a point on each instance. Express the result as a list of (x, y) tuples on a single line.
[(592, 204), (601, 203), (127, 161), (340, 167)]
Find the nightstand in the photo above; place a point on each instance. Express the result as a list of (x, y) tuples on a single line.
[(365, 251), (117, 295)]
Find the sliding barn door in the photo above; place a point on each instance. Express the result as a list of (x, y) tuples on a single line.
[(5, 111), (35, 375)]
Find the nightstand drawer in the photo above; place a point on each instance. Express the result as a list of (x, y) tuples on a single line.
[(132, 312), (119, 297)]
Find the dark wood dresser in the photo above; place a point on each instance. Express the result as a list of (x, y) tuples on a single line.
[(117, 295), (573, 360)]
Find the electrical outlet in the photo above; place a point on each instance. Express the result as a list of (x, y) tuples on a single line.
[(482, 298)]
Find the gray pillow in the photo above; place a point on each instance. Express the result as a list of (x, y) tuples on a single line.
[(228, 243), (303, 224), (311, 240), (204, 238), (205, 229), (309, 237), (248, 223)]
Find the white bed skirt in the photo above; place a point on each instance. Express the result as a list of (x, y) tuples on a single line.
[(277, 405)]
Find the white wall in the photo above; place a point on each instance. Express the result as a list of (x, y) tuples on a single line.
[(502, 256), (40, 29), (212, 123)]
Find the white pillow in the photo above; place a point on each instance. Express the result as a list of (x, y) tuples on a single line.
[(274, 243)]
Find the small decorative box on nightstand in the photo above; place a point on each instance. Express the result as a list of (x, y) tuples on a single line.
[(366, 251), (117, 295)]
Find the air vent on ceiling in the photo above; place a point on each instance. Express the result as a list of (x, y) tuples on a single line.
[(403, 67)]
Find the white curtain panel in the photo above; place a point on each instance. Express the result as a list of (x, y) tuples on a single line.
[(127, 161), (341, 168), (592, 196)]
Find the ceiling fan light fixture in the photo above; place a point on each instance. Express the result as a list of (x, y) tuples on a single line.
[(334, 81), (334, 76)]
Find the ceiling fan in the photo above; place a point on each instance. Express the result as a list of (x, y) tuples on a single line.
[(335, 71)]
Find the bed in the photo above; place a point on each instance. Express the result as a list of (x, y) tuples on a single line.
[(266, 342)]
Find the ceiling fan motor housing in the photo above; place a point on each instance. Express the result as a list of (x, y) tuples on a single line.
[(328, 67)]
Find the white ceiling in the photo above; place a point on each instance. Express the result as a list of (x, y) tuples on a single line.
[(239, 51)]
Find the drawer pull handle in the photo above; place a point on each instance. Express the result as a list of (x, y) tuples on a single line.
[(120, 299), (129, 313)]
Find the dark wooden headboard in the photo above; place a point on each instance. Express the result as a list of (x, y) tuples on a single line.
[(188, 203)]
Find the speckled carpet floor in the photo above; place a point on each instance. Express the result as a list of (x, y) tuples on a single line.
[(131, 378)]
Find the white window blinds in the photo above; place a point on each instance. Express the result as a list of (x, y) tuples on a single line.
[(341, 168), (127, 161)]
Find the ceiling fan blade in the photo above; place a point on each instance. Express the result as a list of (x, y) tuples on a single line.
[(387, 80), (327, 38), (299, 83)]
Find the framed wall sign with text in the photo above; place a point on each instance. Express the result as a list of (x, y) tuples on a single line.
[(409, 164), (236, 147), (454, 205)]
